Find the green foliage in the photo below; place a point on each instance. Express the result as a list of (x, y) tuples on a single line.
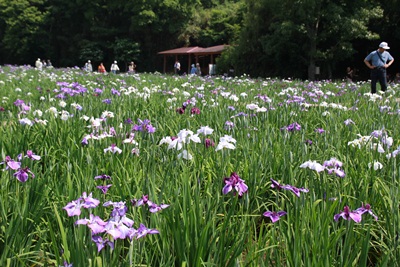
[(294, 35), (24, 35), (220, 24), (91, 51), (125, 50)]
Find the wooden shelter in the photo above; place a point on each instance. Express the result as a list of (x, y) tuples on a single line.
[(195, 51)]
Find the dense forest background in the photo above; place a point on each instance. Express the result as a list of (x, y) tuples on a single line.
[(279, 38)]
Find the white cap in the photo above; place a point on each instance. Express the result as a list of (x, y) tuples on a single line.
[(384, 45), (115, 62), (88, 61)]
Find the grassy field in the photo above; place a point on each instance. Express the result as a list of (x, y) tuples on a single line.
[(155, 170)]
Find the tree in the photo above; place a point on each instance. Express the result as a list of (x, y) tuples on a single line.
[(23, 37), (217, 25), (125, 50), (308, 32)]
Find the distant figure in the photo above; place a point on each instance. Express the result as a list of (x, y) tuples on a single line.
[(349, 74), (88, 66), (378, 61), (198, 69), (193, 70), (44, 64), (39, 64), (49, 65), (114, 67), (101, 68), (132, 67), (231, 72), (397, 78), (177, 67)]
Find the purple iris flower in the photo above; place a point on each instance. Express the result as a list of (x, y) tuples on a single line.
[(229, 125), (234, 182), (336, 167), (107, 101), (11, 164), (156, 208), (274, 216), (104, 188), (338, 171), (101, 243), (78, 107), (292, 188), (366, 209), (348, 122), (115, 92), (19, 102), (308, 142), (295, 190), (112, 131), (319, 130), (119, 228), (120, 208), (180, 110), (128, 121), (143, 231), (84, 142), (144, 126), (209, 143), (98, 91), (347, 214), (22, 174), (195, 110), (153, 208), (292, 127), (276, 185), (66, 264), (89, 201), (141, 201), (95, 223), (73, 208), (103, 177), (333, 162), (29, 154)]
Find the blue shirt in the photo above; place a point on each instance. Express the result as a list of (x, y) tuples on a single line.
[(373, 57)]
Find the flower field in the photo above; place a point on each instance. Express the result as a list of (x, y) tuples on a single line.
[(155, 170)]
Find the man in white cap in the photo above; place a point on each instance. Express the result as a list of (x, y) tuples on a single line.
[(114, 67), (88, 66), (378, 61)]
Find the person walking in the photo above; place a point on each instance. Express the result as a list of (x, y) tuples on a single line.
[(38, 64), (349, 74), (101, 68), (132, 67), (193, 69), (378, 61), (114, 67), (88, 66), (177, 67), (198, 69)]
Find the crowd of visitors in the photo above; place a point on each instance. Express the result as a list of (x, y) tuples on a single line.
[(40, 64), (377, 61)]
